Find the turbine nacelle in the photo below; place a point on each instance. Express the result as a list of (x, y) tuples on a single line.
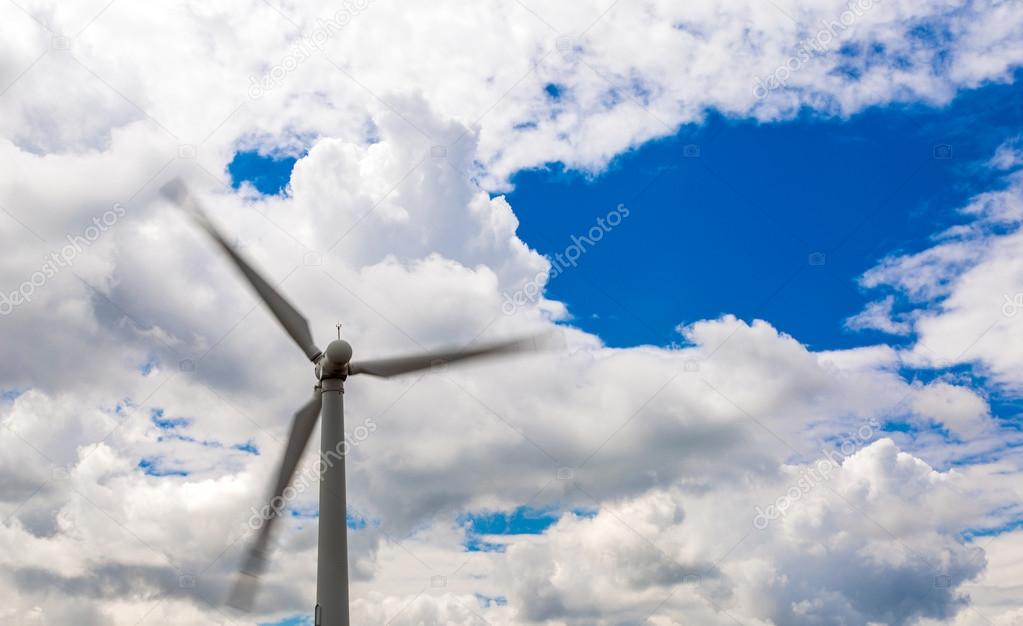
[(335, 359)]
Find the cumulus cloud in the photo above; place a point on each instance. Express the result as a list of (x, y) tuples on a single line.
[(139, 344), (855, 546), (280, 72)]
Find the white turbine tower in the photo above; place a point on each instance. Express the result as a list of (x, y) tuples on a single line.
[(332, 367)]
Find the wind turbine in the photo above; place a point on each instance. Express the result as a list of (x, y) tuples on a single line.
[(332, 367)]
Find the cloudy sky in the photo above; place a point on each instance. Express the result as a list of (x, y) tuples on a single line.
[(778, 242)]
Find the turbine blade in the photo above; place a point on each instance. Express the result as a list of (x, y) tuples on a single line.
[(244, 592), (386, 368), (289, 317)]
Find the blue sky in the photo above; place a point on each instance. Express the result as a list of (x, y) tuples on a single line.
[(732, 216), (731, 230), (269, 174), (521, 521)]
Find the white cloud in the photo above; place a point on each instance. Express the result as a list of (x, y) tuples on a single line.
[(967, 289), (189, 69), (963, 411), (878, 316), (672, 459)]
